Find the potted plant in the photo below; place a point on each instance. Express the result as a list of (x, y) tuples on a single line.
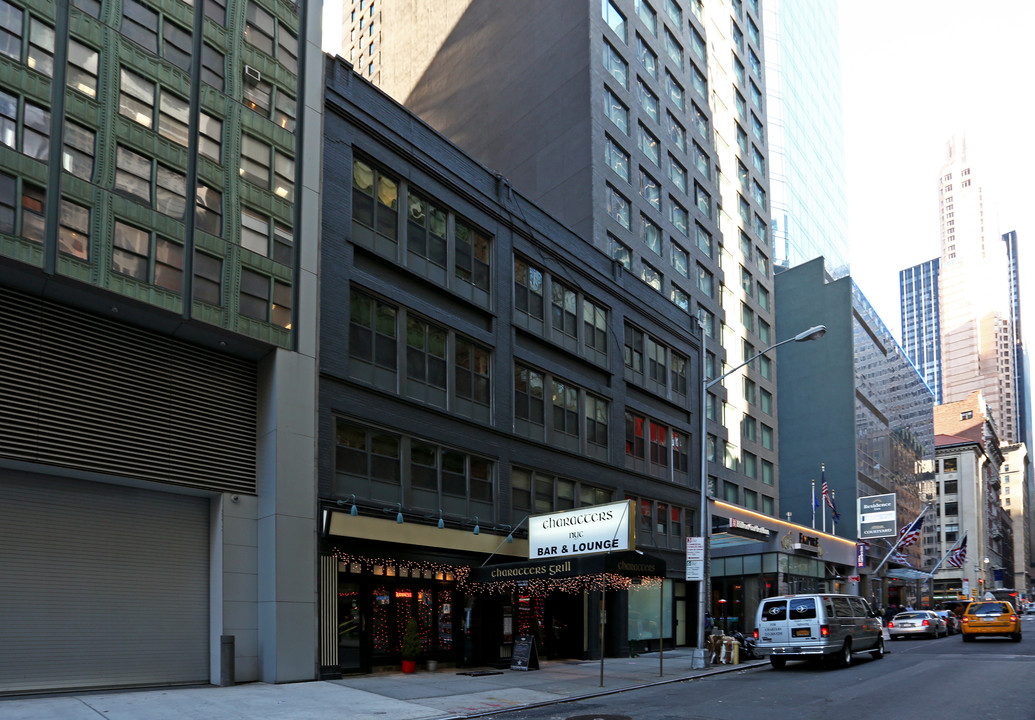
[(410, 646)]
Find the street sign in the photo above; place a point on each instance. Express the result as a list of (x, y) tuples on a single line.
[(877, 516), (695, 558)]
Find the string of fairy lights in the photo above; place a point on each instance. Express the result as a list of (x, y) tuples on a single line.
[(460, 574)]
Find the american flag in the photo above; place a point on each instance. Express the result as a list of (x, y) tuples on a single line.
[(959, 555), (829, 497), (910, 533), (900, 557)]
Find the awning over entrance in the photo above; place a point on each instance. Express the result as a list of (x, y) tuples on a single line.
[(907, 574), (611, 570)]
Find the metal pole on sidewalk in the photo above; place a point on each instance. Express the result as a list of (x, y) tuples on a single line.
[(601, 634), (661, 629)]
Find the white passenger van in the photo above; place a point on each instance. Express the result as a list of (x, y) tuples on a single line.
[(797, 627)]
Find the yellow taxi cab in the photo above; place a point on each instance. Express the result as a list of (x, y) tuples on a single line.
[(990, 617)]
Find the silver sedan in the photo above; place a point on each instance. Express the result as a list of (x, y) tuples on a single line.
[(919, 622)]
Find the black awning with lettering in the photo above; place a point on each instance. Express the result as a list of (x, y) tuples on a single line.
[(627, 564)]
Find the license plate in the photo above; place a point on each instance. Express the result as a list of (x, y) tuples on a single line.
[(908, 625), (802, 632)]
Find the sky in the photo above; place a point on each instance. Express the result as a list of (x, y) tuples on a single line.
[(914, 73)]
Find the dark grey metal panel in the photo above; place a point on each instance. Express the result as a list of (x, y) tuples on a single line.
[(102, 586)]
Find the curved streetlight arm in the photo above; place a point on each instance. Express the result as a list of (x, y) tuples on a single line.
[(813, 333)]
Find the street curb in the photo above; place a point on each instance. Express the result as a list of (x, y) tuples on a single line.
[(614, 691)]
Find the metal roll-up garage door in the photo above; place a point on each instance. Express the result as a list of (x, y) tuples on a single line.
[(101, 585)]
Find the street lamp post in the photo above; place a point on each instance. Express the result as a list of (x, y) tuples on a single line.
[(699, 659)]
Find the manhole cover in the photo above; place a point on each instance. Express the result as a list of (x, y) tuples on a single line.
[(599, 717)]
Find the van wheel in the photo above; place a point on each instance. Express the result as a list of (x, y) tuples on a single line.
[(844, 658), (878, 653), (777, 662)]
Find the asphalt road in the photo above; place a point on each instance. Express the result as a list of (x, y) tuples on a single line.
[(990, 679)]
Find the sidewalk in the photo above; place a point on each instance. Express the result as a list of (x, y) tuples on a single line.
[(440, 695)]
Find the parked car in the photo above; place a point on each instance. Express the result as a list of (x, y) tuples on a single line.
[(924, 623), (798, 627), (952, 623), (990, 617)]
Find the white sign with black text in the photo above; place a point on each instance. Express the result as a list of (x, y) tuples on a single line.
[(584, 531)]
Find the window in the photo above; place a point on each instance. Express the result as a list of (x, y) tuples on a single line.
[(651, 275), (615, 65), (614, 19), (375, 200), (621, 253), (263, 236), (208, 271), (595, 326), (967, 415), (529, 403), (140, 24), (618, 207), (34, 127), (213, 67), (82, 67), (702, 161), (565, 402), (528, 289), (426, 230), (647, 15), (426, 353), (210, 136), (674, 11), (370, 458), (705, 281), (677, 173), (635, 447), (616, 111), (656, 363), (759, 194), (149, 257), (677, 133), (650, 192), (698, 81), (471, 372), (679, 217), (34, 206), (704, 240), (729, 491), (700, 121), (617, 159), (372, 331), (41, 47), (703, 200), (471, 250), (563, 307), (757, 160), (74, 230), (673, 49), (649, 145), (766, 401), (679, 299), (680, 259), (257, 303), (767, 437), (647, 57), (176, 45), (208, 209), (951, 464), (648, 100), (763, 293), (138, 177), (675, 91), (596, 413), (11, 24), (765, 367)]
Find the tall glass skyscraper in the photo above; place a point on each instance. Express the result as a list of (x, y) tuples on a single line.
[(806, 140), (921, 333)]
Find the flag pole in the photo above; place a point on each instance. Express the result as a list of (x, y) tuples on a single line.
[(946, 556), (898, 540), (813, 503), (833, 515), (823, 509)]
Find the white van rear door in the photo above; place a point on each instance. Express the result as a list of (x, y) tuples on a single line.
[(803, 618), (772, 622)]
